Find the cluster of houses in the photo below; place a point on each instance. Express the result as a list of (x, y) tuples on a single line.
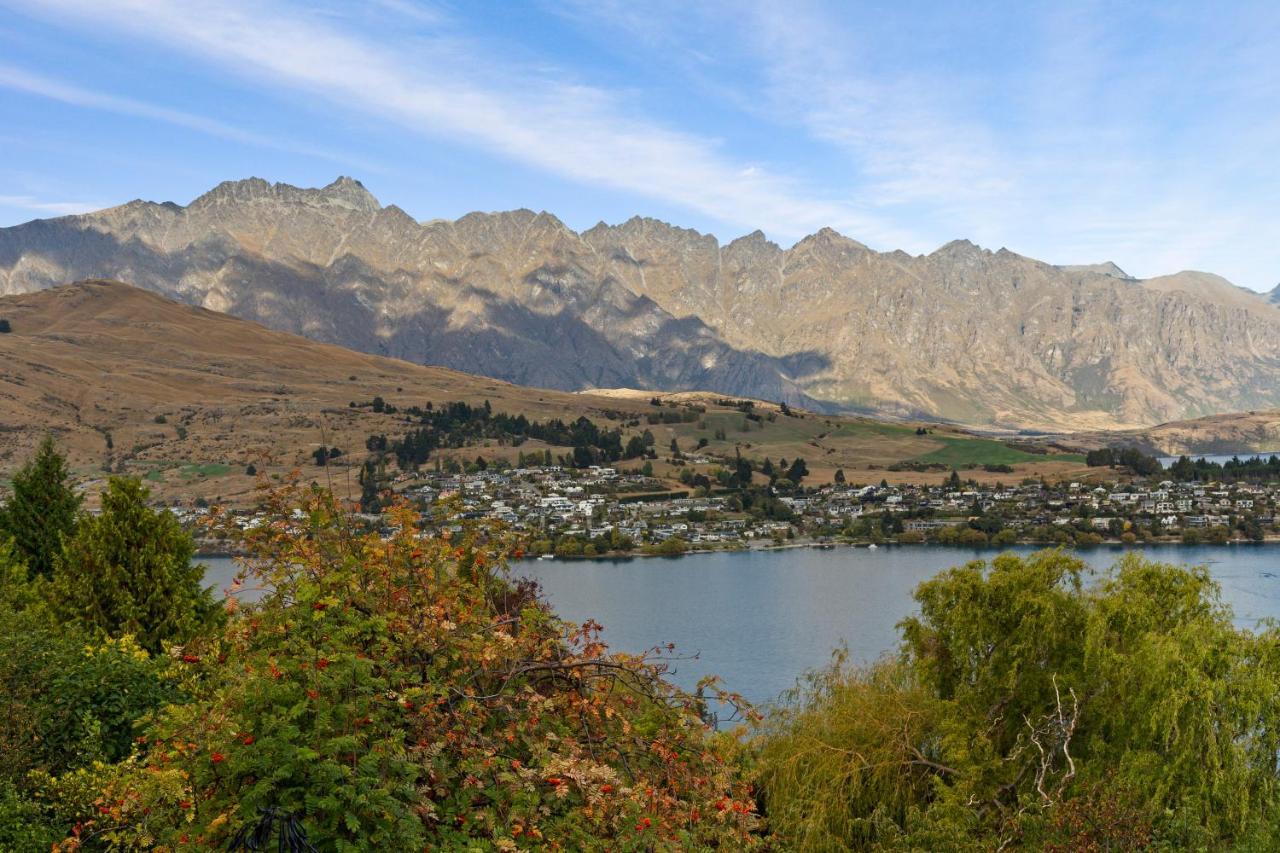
[(555, 503)]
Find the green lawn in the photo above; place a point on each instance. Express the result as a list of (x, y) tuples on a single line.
[(205, 469), (982, 451), (856, 429), (188, 471)]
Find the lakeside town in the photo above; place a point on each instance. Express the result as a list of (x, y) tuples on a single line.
[(601, 510)]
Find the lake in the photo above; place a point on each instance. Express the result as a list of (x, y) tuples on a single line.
[(759, 619), (1218, 458)]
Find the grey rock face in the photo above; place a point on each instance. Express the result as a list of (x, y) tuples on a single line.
[(961, 333)]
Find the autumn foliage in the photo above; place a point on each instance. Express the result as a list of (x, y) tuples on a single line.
[(402, 692)]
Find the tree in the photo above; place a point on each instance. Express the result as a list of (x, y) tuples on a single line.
[(635, 448), (128, 571), (42, 510), (840, 475), (347, 700), (1029, 710), (5, 328)]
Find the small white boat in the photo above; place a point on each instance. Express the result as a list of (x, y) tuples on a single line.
[(546, 557), (873, 546)]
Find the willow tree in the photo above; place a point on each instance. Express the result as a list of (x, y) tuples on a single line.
[(1030, 708)]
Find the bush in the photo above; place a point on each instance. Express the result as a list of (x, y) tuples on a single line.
[(404, 694), (1007, 536), (70, 701)]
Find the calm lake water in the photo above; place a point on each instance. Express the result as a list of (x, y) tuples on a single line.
[(1220, 458), (760, 619)]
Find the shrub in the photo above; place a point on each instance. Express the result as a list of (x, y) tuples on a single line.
[(404, 694), (70, 701)]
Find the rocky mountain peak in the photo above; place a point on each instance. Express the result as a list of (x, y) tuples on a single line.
[(958, 249), (344, 192), (233, 192), (1107, 268), (754, 243), (348, 192), (829, 240)]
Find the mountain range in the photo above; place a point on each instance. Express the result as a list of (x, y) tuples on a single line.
[(963, 334)]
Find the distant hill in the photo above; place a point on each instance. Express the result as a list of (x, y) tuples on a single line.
[(1238, 432), (131, 381), (963, 333)]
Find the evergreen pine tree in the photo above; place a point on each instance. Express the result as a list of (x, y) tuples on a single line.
[(129, 571), (42, 510)]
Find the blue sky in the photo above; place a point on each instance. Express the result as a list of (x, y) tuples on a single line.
[(1142, 133)]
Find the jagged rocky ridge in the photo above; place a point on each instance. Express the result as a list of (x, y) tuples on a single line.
[(962, 333)]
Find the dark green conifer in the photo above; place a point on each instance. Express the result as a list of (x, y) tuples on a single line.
[(42, 509)]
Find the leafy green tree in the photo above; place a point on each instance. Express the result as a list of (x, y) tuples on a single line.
[(1031, 710), (42, 510), (128, 571)]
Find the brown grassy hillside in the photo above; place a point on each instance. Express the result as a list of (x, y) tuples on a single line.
[(132, 382)]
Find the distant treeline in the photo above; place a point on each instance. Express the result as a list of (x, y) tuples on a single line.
[(459, 424), (1186, 469), (1255, 469), (1130, 457)]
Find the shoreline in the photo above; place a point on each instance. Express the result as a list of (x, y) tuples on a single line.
[(826, 546)]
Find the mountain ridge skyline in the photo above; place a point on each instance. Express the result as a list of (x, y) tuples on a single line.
[(353, 188), (827, 323)]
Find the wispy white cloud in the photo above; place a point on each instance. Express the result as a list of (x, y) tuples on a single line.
[(1145, 137), (57, 208), (451, 89), (1072, 133), (22, 80)]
